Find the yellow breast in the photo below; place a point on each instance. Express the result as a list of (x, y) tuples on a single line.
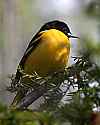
[(51, 55)]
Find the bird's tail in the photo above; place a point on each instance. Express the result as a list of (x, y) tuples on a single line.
[(20, 92)]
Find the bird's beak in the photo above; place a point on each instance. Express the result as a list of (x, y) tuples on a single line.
[(71, 36)]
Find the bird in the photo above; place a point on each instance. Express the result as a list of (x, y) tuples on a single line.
[(48, 51)]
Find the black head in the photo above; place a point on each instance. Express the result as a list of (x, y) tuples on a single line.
[(58, 25)]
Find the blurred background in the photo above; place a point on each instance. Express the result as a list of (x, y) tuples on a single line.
[(21, 19)]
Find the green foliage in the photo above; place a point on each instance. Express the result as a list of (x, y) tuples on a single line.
[(18, 117), (79, 104), (78, 112)]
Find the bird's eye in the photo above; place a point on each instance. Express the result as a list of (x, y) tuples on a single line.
[(69, 34)]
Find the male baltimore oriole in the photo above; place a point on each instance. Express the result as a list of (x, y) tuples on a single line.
[(47, 52)]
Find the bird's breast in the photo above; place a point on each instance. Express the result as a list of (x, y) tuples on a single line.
[(51, 55)]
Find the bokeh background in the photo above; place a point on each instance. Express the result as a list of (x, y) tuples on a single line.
[(21, 19)]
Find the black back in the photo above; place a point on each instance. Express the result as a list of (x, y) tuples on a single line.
[(56, 25)]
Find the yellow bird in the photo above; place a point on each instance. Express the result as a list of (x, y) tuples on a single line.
[(48, 51)]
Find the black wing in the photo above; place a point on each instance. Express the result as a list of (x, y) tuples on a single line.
[(32, 45)]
